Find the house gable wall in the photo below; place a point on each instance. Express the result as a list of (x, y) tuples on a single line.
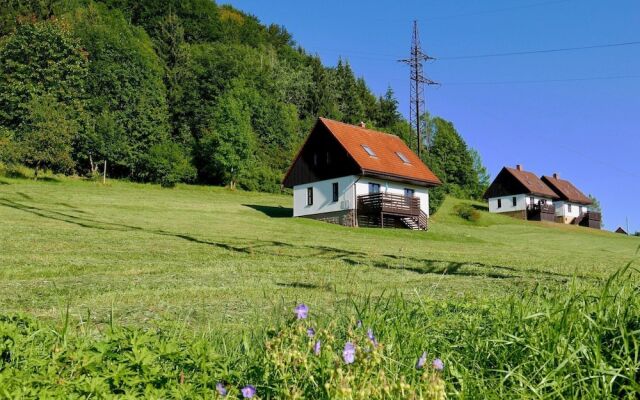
[(321, 158)]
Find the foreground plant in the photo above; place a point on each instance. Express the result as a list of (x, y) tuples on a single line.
[(339, 363)]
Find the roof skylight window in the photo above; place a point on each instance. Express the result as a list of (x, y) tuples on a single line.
[(403, 158), (368, 150)]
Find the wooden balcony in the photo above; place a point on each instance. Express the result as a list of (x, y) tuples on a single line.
[(590, 219), (541, 212), (391, 211)]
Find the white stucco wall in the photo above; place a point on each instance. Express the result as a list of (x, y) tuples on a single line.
[(349, 187), (507, 203), (362, 188), (562, 209), (522, 202), (323, 196)]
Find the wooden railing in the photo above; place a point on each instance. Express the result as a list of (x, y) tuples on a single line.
[(388, 204)]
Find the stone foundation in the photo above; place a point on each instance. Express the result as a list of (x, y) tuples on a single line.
[(344, 217)]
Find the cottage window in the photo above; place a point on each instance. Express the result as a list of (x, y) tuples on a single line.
[(374, 188), (309, 196), (335, 191), (403, 157), (499, 203), (532, 201), (409, 192), (368, 150), (514, 201), (569, 207)]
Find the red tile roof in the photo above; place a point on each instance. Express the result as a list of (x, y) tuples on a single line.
[(566, 190), (386, 147), (532, 183)]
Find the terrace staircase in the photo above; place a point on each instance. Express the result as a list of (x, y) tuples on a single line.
[(419, 223), (391, 211)]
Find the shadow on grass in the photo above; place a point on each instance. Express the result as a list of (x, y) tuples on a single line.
[(272, 212), (480, 207), (300, 251), (2, 182)]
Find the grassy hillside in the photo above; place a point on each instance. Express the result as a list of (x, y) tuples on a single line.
[(215, 258)]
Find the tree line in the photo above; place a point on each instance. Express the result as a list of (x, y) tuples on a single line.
[(181, 91)]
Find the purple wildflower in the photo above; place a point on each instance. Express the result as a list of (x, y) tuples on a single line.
[(372, 338), (422, 360), (311, 332), (349, 353), (301, 311), (316, 348), (438, 364), (222, 391), (248, 392)]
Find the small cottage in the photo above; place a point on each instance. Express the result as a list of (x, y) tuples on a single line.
[(521, 194), (354, 176), (573, 205)]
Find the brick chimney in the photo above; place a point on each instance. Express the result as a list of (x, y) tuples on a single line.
[(519, 167), (362, 124), (556, 175)]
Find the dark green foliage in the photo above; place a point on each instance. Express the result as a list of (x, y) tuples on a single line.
[(125, 82), (47, 135), (458, 166), (134, 74), (10, 151), (39, 58), (167, 164), (466, 211)]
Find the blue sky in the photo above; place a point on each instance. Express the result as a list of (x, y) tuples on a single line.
[(572, 112)]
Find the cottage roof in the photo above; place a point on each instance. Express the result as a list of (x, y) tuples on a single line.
[(373, 153), (566, 190), (532, 183)]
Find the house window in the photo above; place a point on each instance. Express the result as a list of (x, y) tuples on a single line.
[(368, 150), (374, 188), (409, 192), (532, 201), (310, 196), (403, 157), (569, 207), (499, 203), (335, 191), (514, 201)]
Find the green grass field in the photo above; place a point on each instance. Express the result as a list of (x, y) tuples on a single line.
[(129, 290), (212, 257)]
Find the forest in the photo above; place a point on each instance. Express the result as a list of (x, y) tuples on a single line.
[(183, 91)]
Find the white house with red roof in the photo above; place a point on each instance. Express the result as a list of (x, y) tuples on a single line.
[(521, 194), (354, 176)]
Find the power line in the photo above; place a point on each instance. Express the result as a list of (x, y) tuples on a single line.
[(593, 78), (497, 10), (386, 56), (544, 51)]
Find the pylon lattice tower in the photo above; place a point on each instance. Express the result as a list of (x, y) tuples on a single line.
[(418, 80)]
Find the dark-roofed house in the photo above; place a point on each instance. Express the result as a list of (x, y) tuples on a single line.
[(521, 194), (621, 230), (573, 205), (355, 176)]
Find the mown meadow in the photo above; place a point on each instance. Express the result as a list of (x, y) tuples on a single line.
[(131, 290)]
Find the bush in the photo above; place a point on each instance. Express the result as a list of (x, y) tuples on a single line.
[(167, 164), (467, 212)]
